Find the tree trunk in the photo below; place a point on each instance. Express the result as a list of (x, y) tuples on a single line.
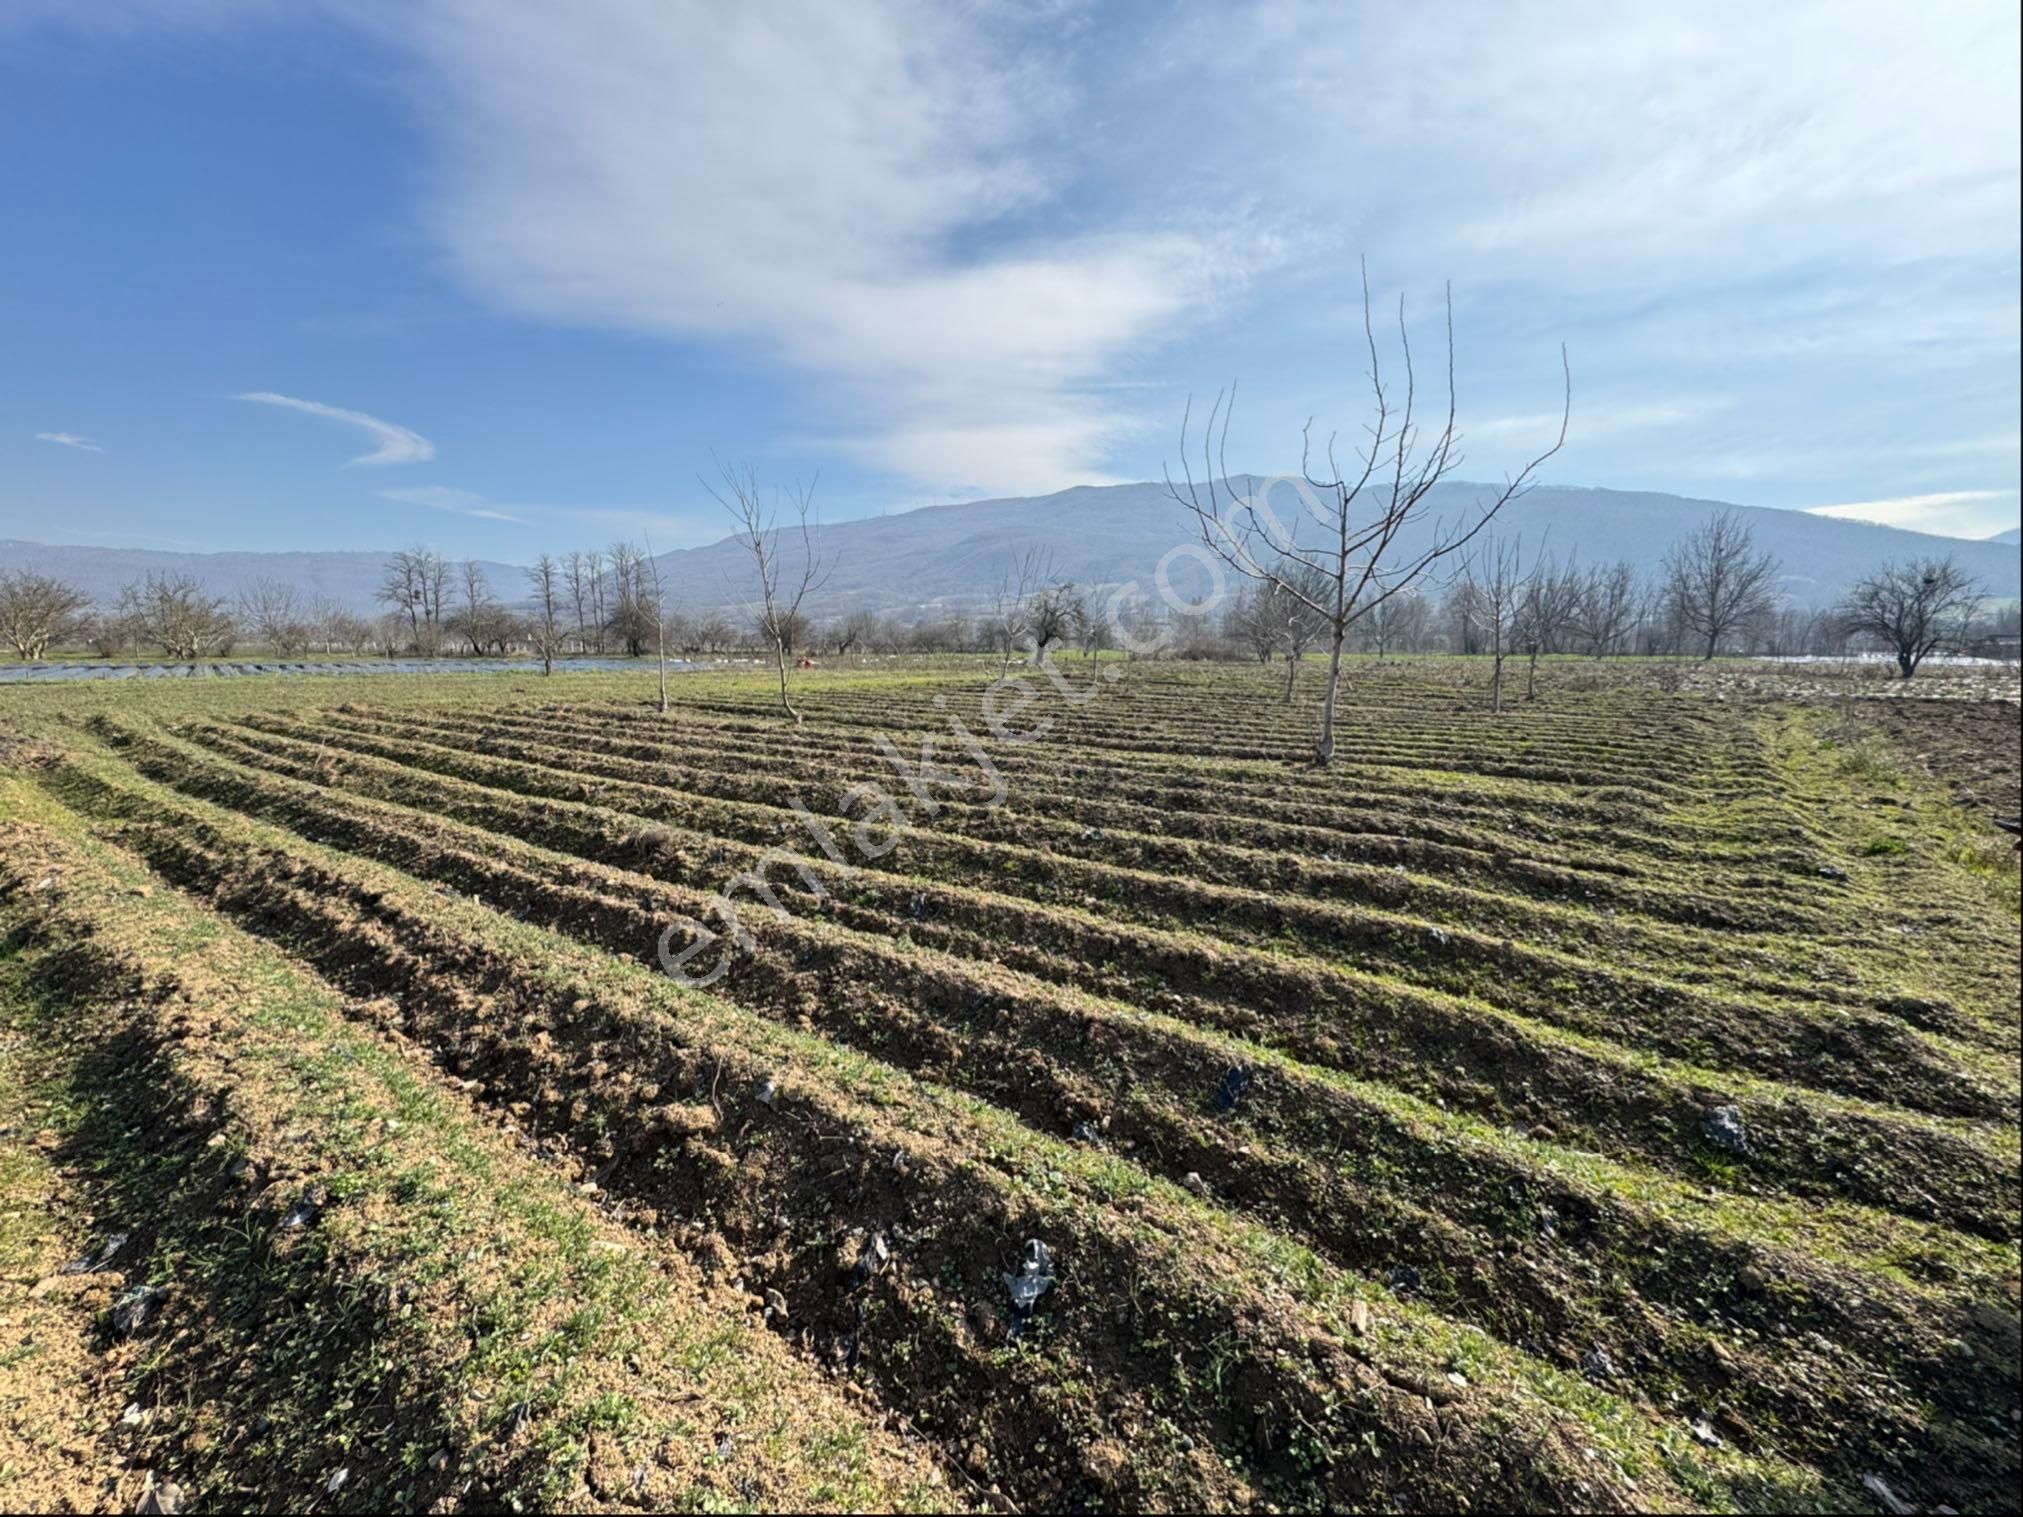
[(1291, 669), (1531, 678), (1324, 751), (786, 705), (1908, 663), (1713, 641)]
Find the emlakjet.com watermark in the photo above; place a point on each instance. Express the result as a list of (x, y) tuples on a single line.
[(1017, 712)]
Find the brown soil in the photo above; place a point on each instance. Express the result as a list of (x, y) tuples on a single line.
[(1974, 748)]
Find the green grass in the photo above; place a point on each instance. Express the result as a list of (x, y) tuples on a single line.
[(517, 1307)]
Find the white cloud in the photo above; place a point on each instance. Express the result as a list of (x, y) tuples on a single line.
[(1582, 140), (69, 440), (1951, 513), (856, 188), (449, 498), (395, 444)]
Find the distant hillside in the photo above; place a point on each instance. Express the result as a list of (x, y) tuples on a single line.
[(949, 557), (941, 556), (2013, 536)]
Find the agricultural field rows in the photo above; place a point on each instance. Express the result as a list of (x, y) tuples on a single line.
[(1608, 1104)]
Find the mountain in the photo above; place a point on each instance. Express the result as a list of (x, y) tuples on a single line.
[(949, 558), (2013, 536), (941, 557)]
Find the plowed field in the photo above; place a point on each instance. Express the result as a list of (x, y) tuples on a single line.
[(1609, 1104)]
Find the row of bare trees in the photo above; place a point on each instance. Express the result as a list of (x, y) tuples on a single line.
[(1717, 593), (1504, 600)]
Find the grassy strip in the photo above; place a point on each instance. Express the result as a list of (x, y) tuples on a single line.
[(1921, 878), (451, 1323)]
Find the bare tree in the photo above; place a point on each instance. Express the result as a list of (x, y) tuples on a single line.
[(1462, 606), (544, 622), (1295, 613), (109, 633), (632, 621), (1716, 582), (1248, 622), (781, 591), (709, 632), (652, 590), (1052, 615), (854, 631), (433, 578), (173, 612), (415, 586), (37, 610), (1607, 610), (1497, 580), (400, 590), (577, 572), (1398, 621), (1368, 516), (345, 631), (389, 633), (1911, 606), (1011, 608), (1545, 615), (479, 618), (324, 622), (271, 610)]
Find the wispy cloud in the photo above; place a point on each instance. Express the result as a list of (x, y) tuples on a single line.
[(586, 524), (449, 498), (133, 539), (1603, 420), (1951, 513), (69, 440), (396, 444)]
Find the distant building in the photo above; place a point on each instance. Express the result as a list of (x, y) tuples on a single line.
[(2002, 645)]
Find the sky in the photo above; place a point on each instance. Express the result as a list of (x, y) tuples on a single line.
[(506, 276)]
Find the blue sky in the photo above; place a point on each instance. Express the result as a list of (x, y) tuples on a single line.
[(499, 275)]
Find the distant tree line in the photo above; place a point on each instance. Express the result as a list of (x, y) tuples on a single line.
[(1511, 602), (1714, 594)]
